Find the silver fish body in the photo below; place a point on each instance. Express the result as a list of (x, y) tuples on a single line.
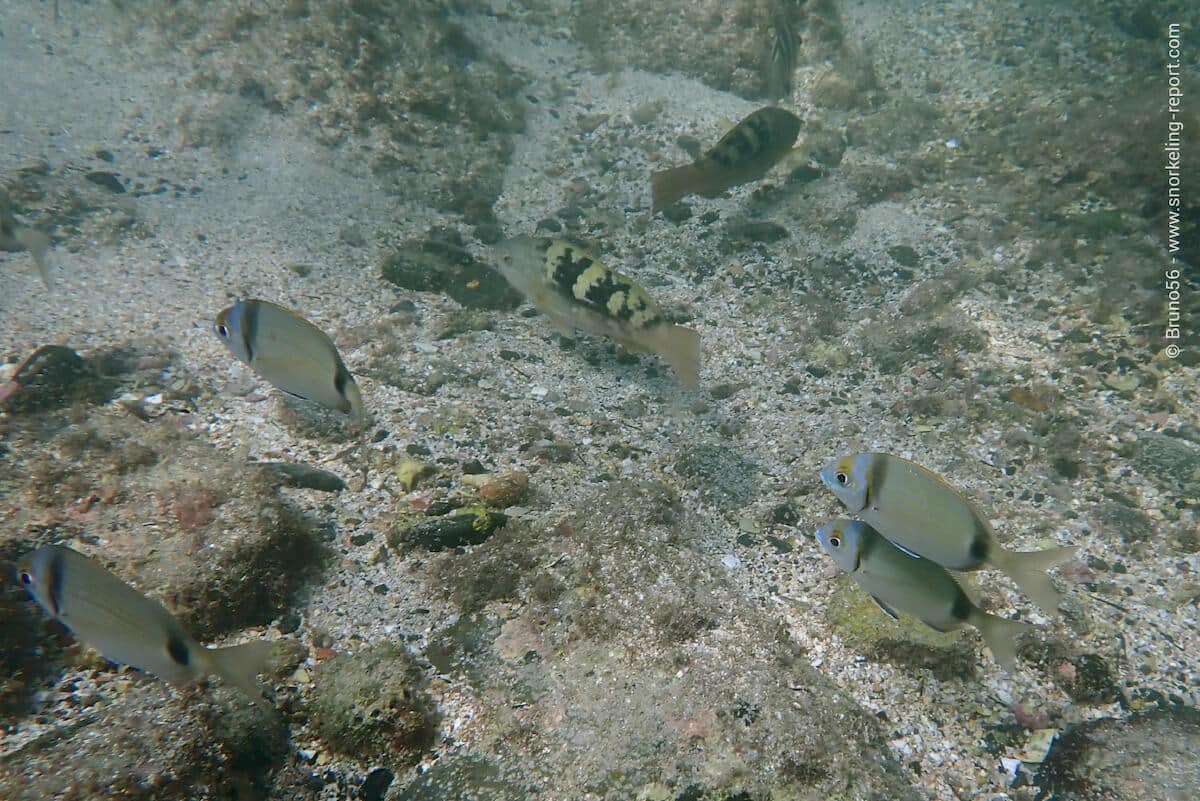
[(576, 290), (128, 628), (918, 511), (899, 581), (290, 352)]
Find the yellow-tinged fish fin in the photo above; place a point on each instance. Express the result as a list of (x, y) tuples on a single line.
[(562, 326), (354, 396), (796, 157), (552, 305), (679, 346), (38, 245), (967, 582), (240, 665), (1000, 635), (1028, 569)]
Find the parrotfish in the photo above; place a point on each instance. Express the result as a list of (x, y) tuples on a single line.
[(290, 352), (897, 580), (576, 290), (746, 153), (921, 513), (128, 628), (15, 237)]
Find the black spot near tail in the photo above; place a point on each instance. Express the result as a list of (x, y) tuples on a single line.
[(178, 651), (341, 379), (962, 606), (980, 545)]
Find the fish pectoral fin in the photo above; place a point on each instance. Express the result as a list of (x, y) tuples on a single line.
[(887, 610), (562, 326), (680, 347)]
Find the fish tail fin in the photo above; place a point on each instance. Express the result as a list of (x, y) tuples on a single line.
[(38, 245), (1028, 569), (1000, 635), (668, 186), (679, 346), (354, 400), (240, 665)]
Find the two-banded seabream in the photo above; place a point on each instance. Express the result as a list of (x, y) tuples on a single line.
[(918, 511), (290, 352), (899, 581), (128, 628)]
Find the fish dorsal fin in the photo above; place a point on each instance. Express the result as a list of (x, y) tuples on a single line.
[(887, 610)]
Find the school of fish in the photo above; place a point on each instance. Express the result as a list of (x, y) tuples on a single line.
[(913, 527)]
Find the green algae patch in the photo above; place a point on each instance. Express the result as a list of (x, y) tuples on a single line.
[(373, 705), (907, 641)]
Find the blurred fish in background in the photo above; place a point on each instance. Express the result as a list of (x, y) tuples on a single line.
[(781, 58), (15, 237), (746, 153)]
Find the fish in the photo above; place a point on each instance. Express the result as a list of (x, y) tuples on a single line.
[(15, 237), (898, 581), (128, 628), (918, 511), (575, 289), (782, 59), (290, 352), (746, 153)]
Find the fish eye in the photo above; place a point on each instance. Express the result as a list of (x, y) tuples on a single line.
[(842, 478), (26, 579), (222, 331), (835, 542)]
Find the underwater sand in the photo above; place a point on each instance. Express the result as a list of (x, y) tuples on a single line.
[(819, 307)]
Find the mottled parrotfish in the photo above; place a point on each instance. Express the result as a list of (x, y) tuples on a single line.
[(15, 237), (897, 580), (576, 290), (290, 352), (921, 513), (128, 628), (746, 153)]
